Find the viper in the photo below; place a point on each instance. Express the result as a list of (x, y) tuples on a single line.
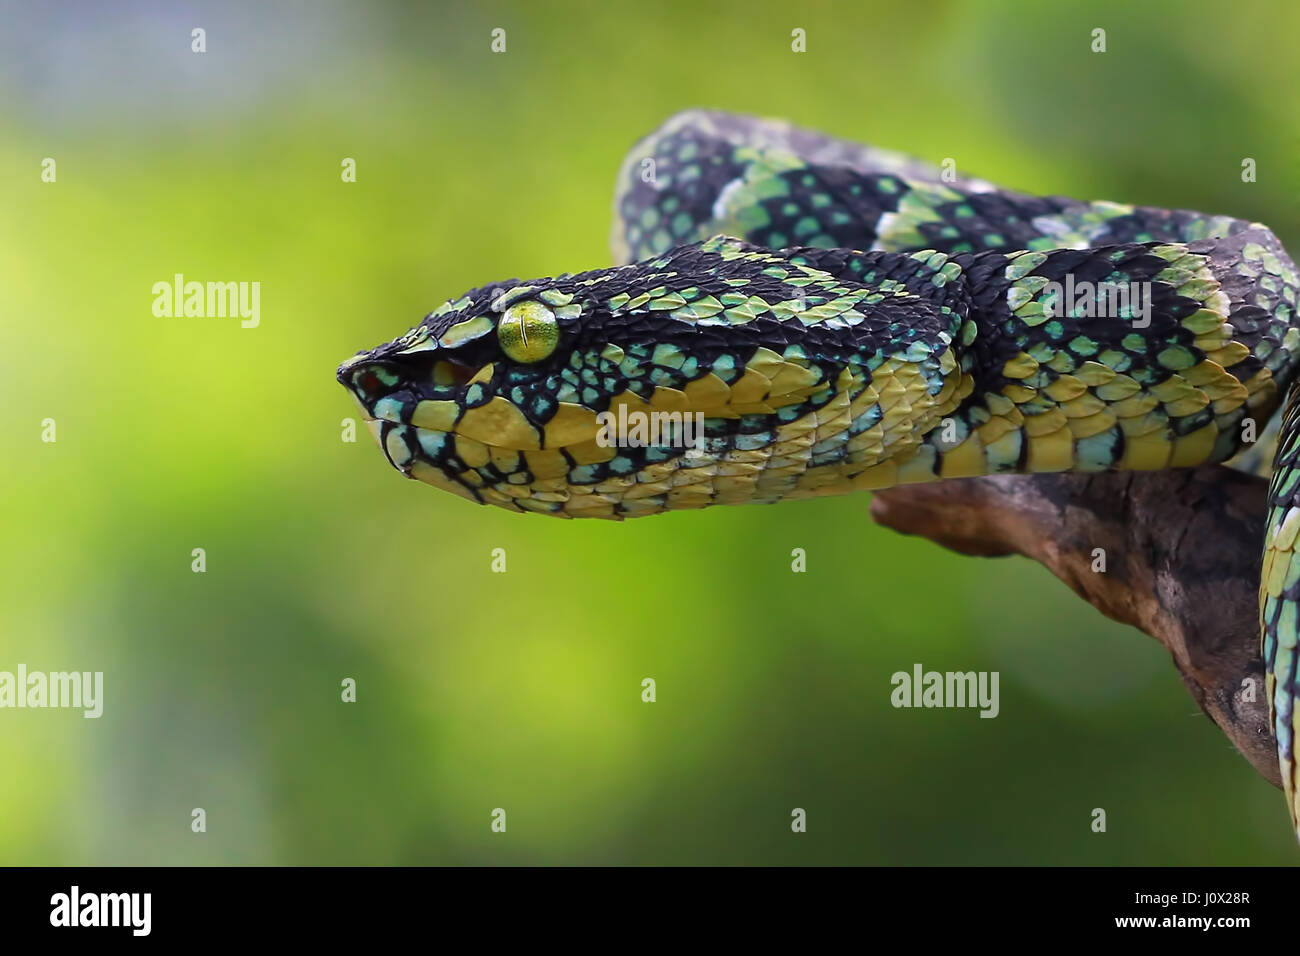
[(844, 318)]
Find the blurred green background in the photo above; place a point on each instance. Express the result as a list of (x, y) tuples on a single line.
[(522, 690)]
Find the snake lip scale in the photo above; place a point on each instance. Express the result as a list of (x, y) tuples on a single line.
[(843, 318)]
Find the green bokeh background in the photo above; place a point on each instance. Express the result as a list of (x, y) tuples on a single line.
[(522, 690)]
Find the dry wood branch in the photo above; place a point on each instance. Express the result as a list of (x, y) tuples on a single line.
[(1183, 558)]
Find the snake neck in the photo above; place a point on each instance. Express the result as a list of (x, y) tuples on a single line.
[(1137, 356)]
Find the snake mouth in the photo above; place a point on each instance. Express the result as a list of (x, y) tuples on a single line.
[(411, 449), (428, 455), (474, 468)]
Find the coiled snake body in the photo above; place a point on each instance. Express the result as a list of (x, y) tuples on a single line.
[(869, 325)]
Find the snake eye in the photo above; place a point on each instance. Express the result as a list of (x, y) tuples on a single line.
[(528, 332)]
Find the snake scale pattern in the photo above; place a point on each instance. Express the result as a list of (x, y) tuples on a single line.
[(842, 318)]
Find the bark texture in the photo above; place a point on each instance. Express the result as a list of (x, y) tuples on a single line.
[(1182, 550)]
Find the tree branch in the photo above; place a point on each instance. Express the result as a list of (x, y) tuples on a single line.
[(1182, 551)]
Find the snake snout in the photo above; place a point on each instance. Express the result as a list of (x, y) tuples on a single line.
[(369, 381)]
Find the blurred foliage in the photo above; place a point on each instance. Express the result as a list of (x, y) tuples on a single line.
[(522, 690)]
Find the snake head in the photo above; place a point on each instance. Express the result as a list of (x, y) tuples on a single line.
[(459, 398), (691, 379)]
